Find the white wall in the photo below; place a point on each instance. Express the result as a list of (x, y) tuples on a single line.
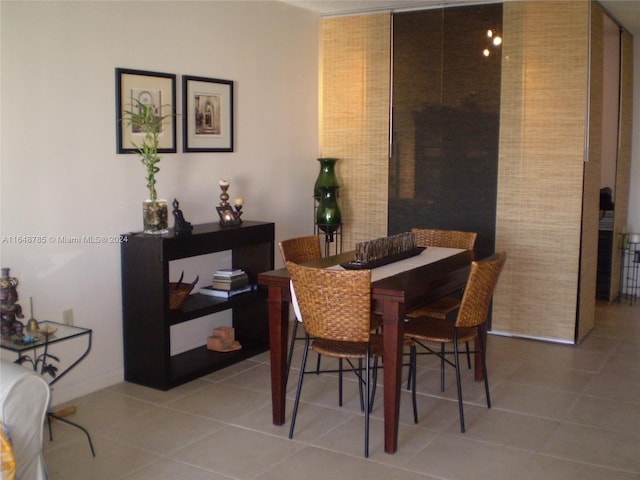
[(60, 174)]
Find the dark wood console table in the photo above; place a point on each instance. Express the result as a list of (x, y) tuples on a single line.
[(145, 301)]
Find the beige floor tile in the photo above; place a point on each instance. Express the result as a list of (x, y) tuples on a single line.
[(314, 463), (221, 402), (615, 388), (112, 460), (607, 414), (558, 377), (595, 446), (455, 456), (560, 412), (231, 371), (548, 468), (533, 400), (162, 430), (152, 395), (172, 470), (98, 411), (506, 428), (237, 453), (313, 421)]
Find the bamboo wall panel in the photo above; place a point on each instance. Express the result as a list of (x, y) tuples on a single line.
[(355, 119), (623, 169), (541, 163), (592, 179)]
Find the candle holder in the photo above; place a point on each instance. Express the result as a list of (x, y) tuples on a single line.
[(238, 203), (224, 196), (239, 211)]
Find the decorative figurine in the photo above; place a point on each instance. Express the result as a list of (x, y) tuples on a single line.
[(10, 310), (181, 226)]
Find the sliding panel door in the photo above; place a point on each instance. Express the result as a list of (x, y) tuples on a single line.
[(446, 104)]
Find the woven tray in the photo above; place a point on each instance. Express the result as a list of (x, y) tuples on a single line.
[(353, 265)]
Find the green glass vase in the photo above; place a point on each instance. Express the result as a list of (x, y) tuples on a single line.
[(328, 216), (326, 177)]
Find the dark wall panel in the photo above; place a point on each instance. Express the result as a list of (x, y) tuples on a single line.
[(446, 107)]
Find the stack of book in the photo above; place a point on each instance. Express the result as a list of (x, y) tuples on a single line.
[(228, 282)]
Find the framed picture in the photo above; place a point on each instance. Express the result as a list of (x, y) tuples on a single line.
[(138, 87), (207, 105), (228, 216)]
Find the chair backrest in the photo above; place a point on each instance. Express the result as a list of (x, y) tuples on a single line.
[(427, 237), (335, 304), (478, 293), (300, 249)]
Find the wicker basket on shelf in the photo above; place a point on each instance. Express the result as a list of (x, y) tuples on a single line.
[(179, 291)]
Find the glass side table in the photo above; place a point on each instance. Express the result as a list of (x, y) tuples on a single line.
[(36, 352)]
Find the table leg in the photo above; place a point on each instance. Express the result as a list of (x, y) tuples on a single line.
[(393, 331), (278, 334)]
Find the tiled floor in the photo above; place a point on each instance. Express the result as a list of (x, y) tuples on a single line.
[(559, 412)]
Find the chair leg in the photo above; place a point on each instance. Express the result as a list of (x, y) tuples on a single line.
[(362, 402), (458, 382), (340, 381), (483, 355), (299, 389), (413, 360), (412, 365), (375, 383), (468, 355), (367, 405), (442, 366)]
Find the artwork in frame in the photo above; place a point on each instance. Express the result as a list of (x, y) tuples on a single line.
[(136, 87), (207, 118), (228, 216)]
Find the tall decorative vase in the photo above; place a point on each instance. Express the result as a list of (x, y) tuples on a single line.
[(155, 216), (328, 216), (326, 177)]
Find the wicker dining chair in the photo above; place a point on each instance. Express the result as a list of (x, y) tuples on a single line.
[(426, 237), (471, 316), (442, 307), (336, 309), (298, 250)]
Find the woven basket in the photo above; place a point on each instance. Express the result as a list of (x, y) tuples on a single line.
[(179, 291)]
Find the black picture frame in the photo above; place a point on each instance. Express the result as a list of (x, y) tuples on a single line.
[(207, 114), (144, 86), (228, 216)]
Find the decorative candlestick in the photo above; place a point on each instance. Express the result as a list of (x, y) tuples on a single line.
[(238, 202), (224, 196)]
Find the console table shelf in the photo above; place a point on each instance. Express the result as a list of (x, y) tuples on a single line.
[(145, 301)]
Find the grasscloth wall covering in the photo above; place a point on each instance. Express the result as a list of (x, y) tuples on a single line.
[(541, 163), (592, 179), (624, 154), (355, 119), (547, 196)]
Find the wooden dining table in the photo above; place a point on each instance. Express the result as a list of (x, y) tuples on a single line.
[(393, 296)]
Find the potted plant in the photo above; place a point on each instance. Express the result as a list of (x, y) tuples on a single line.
[(143, 118)]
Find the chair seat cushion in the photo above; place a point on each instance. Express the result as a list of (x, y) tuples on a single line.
[(439, 308), (437, 330), (334, 348)]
